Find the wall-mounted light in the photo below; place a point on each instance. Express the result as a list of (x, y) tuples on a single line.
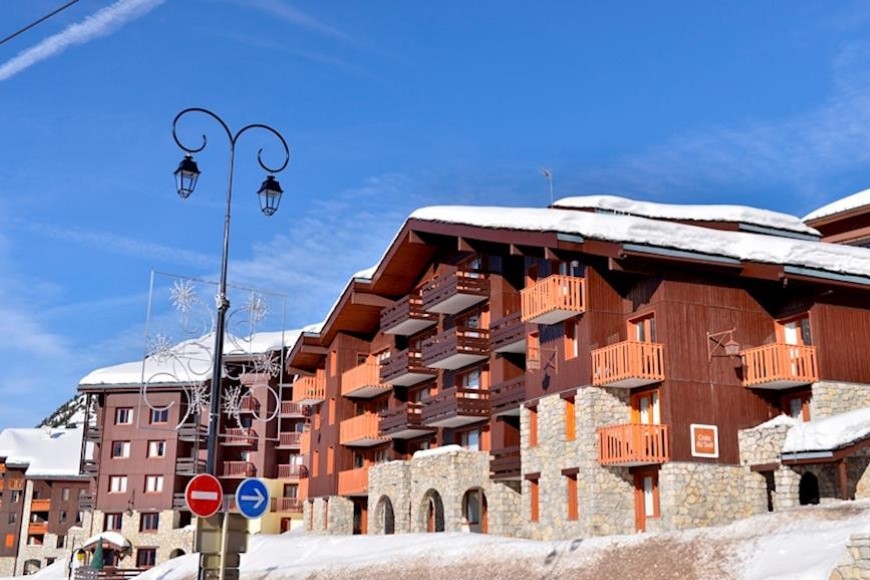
[(722, 341)]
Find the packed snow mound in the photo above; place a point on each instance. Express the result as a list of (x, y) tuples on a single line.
[(829, 433), (693, 212), (46, 452), (850, 202)]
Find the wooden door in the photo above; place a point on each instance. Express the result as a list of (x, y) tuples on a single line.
[(646, 498)]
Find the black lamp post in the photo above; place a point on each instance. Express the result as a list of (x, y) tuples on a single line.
[(270, 191)]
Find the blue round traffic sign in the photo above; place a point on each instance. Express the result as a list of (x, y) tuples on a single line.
[(252, 498)]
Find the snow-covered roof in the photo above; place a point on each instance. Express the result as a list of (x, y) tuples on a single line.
[(190, 360), (778, 421), (111, 537), (850, 202), (829, 433), (716, 213), (648, 232), (46, 452)]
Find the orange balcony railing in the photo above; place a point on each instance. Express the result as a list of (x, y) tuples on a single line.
[(287, 504), (243, 437), (363, 381), (553, 299), (353, 481), (37, 528), (361, 431), (309, 390), (779, 366), (40, 505), (633, 444), (238, 469), (628, 364), (289, 408), (290, 470), (291, 439)]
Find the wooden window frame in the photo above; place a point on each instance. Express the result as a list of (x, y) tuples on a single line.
[(533, 425), (640, 475), (534, 498), (571, 344), (635, 405), (573, 503), (129, 413), (649, 330), (803, 397), (149, 523), (570, 419), (782, 322)]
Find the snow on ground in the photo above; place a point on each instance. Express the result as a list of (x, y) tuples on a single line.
[(847, 203), (799, 544)]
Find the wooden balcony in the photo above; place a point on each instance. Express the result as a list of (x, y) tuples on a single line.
[(404, 422), (456, 407), (289, 440), (87, 503), (406, 317), (779, 366), (238, 469), (40, 505), (405, 368), (363, 381), (553, 299), (628, 364), (93, 433), (189, 466), (292, 505), (240, 437), (633, 444), (179, 502), (452, 293), (505, 463), (508, 334), (291, 471), (309, 390), (291, 409), (506, 397), (37, 528), (190, 433), (353, 482), (456, 348), (361, 431), (89, 467), (249, 404)]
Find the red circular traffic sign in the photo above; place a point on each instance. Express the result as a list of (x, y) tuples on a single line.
[(204, 495)]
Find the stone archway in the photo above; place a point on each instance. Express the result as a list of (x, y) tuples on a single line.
[(474, 510), (432, 512), (176, 553), (32, 567), (808, 489), (385, 517)]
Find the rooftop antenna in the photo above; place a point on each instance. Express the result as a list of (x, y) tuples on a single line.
[(548, 175)]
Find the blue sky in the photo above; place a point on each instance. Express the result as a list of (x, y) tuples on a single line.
[(387, 106)]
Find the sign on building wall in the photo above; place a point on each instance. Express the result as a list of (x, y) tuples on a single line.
[(705, 440)]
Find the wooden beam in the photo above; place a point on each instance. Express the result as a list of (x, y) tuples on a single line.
[(463, 246), (843, 477), (414, 238), (550, 255), (764, 467), (365, 299)]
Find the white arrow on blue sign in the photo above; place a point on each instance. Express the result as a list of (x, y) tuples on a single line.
[(252, 498)]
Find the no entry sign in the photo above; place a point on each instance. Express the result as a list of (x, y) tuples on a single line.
[(204, 495)]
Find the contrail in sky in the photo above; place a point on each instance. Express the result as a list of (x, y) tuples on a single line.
[(100, 23)]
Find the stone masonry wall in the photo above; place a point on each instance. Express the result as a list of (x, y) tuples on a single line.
[(166, 540), (762, 445), (390, 488), (855, 563), (7, 566), (831, 398), (339, 516)]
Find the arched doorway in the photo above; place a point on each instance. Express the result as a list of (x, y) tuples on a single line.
[(808, 490), (433, 512), (32, 567), (474, 510), (176, 553), (385, 517)]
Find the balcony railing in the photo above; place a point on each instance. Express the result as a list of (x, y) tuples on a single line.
[(191, 433), (291, 505), (406, 317), (505, 463), (179, 502), (456, 348), (291, 439), (403, 422), (361, 431), (40, 505), (508, 334), (452, 293), (291, 409), (249, 404), (363, 381), (628, 364), (291, 470), (633, 444), (506, 397), (86, 501), (553, 299), (240, 437), (309, 390), (189, 466), (405, 368), (779, 366), (37, 528), (93, 433), (89, 467), (353, 481), (456, 407), (238, 469)]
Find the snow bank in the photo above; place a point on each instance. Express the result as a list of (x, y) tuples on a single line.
[(829, 433), (46, 452), (845, 204)]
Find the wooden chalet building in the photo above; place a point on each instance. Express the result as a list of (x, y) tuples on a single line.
[(602, 366)]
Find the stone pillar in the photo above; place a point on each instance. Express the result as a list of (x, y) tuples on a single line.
[(855, 563)]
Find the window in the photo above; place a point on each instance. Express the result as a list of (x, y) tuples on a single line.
[(64, 494), (649, 487), (118, 484), (797, 406), (62, 516), (120, 449), (642, 329), (361, 358), (13, 517), (358, 460), (333, 363), (572, 349), (79, 517), (470, 439), (381, 455), (123, 416), (572, 268), (534, 499), (291, 490), (112, 522), (469, 379), (149, 522), (61, 541), (533, 351), (795, 331), (157, 449), (330, 459), (10, 540), (533, 426), (153, 483), (16, 495), (159, 415), (645, 408), (146, 557), (573, 511), (570, 420)]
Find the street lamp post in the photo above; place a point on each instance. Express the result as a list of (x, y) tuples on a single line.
[(187, 175)]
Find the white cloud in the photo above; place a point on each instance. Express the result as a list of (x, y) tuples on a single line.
[(101, 23)]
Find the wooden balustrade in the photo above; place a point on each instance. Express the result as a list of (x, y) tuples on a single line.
[(238, 469), (353, 481), (779, 366), (363, 381), (553, 299), (628, 364), (633, 444)]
